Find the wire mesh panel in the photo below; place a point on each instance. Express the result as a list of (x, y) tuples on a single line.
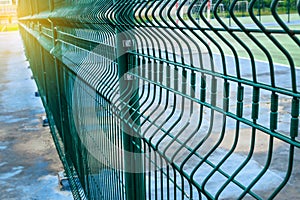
[(170, 99)]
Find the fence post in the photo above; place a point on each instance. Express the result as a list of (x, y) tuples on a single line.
[(289, 10), (51, 5), (133, 157)]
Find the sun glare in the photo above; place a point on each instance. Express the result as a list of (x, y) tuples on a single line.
[(8, 15)]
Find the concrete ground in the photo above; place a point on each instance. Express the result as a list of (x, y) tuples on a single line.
[(28, 159)]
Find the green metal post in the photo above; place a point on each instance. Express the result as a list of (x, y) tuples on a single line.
[(133, 163), (259, 10), (229, 17), (57, 73), (31, 9), (133, 159), (51, 5), (289, 10)]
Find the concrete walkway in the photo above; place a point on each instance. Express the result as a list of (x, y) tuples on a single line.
[(28, 159)]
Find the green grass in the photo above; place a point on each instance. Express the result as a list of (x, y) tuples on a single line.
[(9, 27), (277, 56)]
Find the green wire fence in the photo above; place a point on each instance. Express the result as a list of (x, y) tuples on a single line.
[(172, 100)]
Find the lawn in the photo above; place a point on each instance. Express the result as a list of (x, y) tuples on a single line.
[(8, 27), (269, 23)]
